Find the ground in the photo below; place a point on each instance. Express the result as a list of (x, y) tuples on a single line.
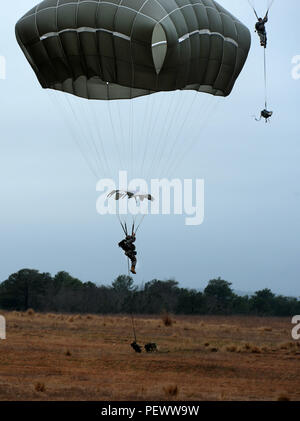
[(88, 357)]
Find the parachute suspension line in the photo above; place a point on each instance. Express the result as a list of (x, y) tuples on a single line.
[(74, 134), (189, 106), (209, 111), (133, 327), (147, 131), (252, 6), (141, 134), (118, 153), (131, 137), (88, 136), (155, 134), (142, 219), (122, 225), (153, 138), (184, 104), (270, 5), (66, 96), (174, 118), (128, 269), (265, 79), (175, 155), (132, 317), (134, 222), (163, 135), (121, 126), (168, 136), (164, 112), (92, 135), (184, 121), (99, 135)]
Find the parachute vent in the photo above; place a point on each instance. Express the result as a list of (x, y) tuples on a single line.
[(159, 47)]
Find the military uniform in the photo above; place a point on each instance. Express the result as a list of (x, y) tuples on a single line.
[(129, 248), (261, 31)]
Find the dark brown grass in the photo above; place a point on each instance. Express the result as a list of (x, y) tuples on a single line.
[(171, 391), (102, 365), (40, 387), (167, 320)]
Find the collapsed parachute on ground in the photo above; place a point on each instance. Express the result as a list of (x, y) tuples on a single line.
[(119, 50)]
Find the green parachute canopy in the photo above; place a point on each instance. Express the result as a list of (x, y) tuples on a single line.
[(121, 49)]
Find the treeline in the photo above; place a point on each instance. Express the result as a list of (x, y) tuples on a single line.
[(29, 288)]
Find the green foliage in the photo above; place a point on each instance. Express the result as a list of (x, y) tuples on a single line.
[(24, 289), (190, 301), (123, 284), (262, 302), (219, 289), (219, 296), (65, 280), (160, 295), (28, 288)]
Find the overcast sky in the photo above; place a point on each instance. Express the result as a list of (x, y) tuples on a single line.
[(251, 230)]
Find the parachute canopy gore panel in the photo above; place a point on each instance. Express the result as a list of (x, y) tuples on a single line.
[(121, 49)]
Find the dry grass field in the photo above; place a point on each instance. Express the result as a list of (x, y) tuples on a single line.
[(88, 357)]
